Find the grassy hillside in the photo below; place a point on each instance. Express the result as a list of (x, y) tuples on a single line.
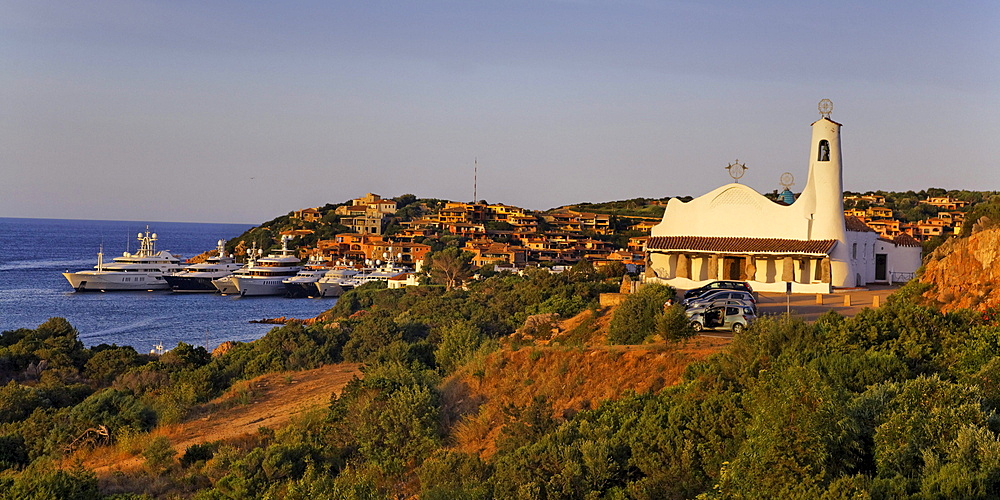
[(463, 397)]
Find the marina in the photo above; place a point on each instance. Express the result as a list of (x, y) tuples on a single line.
[(35, 252)]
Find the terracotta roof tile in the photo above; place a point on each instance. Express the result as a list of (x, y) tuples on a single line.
[(857, 225), (905, 240), (739, 245)]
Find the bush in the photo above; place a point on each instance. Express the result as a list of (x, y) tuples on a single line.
[(118, 410), (673, 324), (636, 318), (159, 455)]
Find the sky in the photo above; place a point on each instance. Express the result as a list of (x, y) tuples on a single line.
[(244, 110)]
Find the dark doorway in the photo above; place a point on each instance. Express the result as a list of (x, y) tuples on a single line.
[(880, 266), (732, 268)]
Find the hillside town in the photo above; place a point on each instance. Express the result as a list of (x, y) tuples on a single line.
[(503, 236), (496, 235), (872, 210)]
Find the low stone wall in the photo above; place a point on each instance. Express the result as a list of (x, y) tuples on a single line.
[(612, 299)]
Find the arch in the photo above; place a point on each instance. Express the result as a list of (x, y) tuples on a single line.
[(824, 151)]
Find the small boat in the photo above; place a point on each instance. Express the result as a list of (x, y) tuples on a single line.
[(382, 273), (198, 277), (303, 284), (143, 270), (336, 281)]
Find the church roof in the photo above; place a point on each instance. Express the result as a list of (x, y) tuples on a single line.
[(827, 119), (857, 225), (718, 244), (905, 240)]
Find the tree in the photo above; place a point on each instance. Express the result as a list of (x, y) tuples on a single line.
[(614, 269), (450, 267)]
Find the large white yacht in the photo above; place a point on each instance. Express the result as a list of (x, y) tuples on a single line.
[(225, 285), (143, 270), (266, 276), (198, 277)]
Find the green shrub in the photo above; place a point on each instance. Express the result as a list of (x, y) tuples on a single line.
[(159, 455), (673, 324), (636, 318)]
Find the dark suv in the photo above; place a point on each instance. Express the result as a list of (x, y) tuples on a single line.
[(717, 285)]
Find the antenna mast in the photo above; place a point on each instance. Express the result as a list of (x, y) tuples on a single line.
[(475, 179)]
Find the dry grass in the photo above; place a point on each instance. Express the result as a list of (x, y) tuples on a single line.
[(270, 401), (571, 378)]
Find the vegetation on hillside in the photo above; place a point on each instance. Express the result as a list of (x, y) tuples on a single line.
[(908, 206), (897, 402)]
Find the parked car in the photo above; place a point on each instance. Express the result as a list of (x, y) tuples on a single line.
[(701, 306), (722, 294), (716, 285), (729, 317)]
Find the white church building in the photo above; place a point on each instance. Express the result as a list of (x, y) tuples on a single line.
[(735, 233)]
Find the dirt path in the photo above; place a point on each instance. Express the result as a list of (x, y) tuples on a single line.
[(267, 401)]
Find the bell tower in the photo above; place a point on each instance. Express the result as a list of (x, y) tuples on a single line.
[(826, 180)]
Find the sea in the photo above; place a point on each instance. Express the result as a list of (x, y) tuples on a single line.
[(34, 253)]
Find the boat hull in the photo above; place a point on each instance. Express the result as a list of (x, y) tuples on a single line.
[(98, 281), (190, 284), (301, 289), (248, 287), (225, 286), (330, 289)]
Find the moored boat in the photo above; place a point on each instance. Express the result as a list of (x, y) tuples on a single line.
[(143, 270), (198, 277), (336, 281), (303, 284), (267, 275)]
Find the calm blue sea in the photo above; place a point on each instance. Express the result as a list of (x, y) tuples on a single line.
[(33, 253)]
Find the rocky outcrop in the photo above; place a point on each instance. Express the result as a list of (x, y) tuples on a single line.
[(965, 272), (223, 349)]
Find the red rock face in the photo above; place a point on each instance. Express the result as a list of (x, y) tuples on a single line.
[(222, 349), (966, 272)]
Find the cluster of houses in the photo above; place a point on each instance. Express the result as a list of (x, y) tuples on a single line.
[(883, 221), (496, 234), (804, 244)]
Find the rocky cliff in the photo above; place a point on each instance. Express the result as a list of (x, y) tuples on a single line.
[(965, 272)]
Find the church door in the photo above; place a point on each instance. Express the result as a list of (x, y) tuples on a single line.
[(880, 266)]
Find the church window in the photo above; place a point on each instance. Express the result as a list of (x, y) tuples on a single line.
[(824, 150), (854, 251)]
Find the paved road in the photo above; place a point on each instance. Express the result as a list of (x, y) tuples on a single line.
[(806, 307)]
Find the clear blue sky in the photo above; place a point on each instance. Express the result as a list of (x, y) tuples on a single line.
[(239, 111)]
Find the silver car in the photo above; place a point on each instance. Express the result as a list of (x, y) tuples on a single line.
[(715, 295), (701, 306), (728, 317)]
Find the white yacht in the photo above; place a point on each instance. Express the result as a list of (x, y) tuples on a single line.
[(381, 273), (265, 278), (336, 281), (303, 284), (198, 277), (225, 285), (144, 270)]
